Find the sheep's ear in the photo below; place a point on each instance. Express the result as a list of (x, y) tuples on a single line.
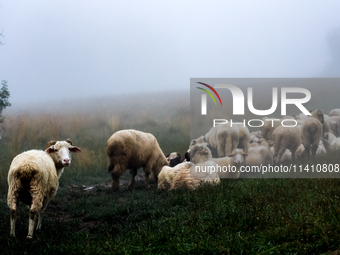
[(69, 141), (231, 155), (50, 150), (245, 154), (74, 149), (50, 143)]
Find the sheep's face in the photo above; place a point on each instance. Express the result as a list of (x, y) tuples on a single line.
[(238, 157), (200, 153), (60, 152)]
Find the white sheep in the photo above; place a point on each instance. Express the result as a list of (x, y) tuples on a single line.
[(334, 112), (335, 125), (167, 174), (286, 138), (300, 152), (333, 142), (311, 134), (270, 124), (132, 149), (286, 156), (193, 175), (225, 138), (33, 179)]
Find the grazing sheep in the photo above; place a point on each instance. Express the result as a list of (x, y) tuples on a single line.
[(33, 179), (286, 156), (311, 133), (132, 149), (223, 138), (260, 155), (333, 142), (300, 152), (324, 119), (185, 176), (286, 138), (334, 112), (268, 127)]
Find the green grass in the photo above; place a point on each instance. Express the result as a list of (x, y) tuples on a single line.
[(251, 216), (248, 216)]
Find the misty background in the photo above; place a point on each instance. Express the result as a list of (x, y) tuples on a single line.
[(83, 50)]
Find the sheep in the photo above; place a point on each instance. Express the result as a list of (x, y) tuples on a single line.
[(268, 127), (132, 149), (167, 174), (254, 137), (324, 119), (33, 179), (260, 155), (286, 138), (335, 125), (311, 133), (225, 138), (286, 156), (333, 142), (185, 174), (334, 112), (174, 159), (300, 152)]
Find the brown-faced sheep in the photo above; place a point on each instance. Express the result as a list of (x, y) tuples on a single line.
[(132, 149), (33, 179), (286, 138)]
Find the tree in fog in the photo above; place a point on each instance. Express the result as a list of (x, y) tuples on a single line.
[(4, 95)]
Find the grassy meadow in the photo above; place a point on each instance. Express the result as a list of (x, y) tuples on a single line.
[(248, 216)]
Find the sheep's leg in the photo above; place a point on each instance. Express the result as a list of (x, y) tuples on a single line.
[(115, 181), (279, 154), (307, 150), (37, 203), (133, 173), (45, 203), (13, 216), (314, 149)]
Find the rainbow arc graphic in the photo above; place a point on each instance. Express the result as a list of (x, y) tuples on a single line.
[(204, 97)]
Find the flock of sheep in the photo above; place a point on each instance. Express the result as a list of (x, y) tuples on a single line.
[(33, 177)]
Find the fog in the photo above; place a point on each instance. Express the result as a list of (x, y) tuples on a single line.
[(71, 50)]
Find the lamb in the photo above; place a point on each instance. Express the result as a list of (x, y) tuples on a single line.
[(33, 179), (334, 112), (286, 138), (311, 133), (333, 142), (184, 175), (132, 149)]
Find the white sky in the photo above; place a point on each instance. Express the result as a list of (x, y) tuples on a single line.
[(76, 49)]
